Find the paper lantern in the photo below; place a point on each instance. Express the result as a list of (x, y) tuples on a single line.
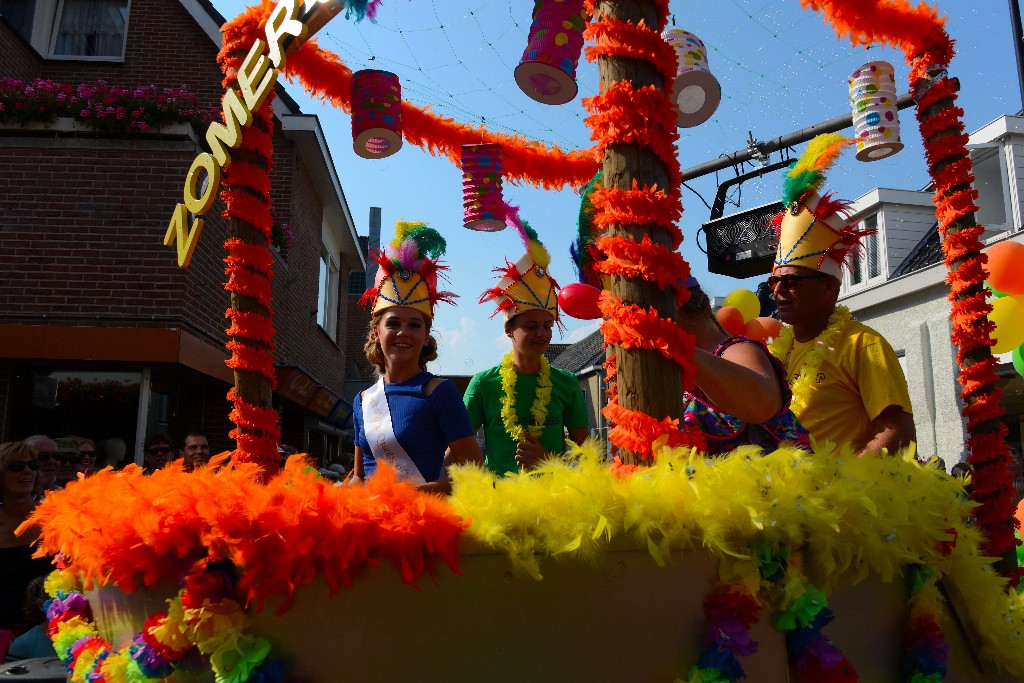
[(547, 71), (875, 117), (481, 187), (376, 113), (696, 91)]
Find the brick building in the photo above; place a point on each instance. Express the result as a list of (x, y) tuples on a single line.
[(101, 334)]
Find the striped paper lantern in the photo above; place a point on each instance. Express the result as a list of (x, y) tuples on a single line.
[(376, 113), (481, 187)]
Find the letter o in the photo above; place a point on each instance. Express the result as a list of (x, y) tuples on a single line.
[(200, 205)]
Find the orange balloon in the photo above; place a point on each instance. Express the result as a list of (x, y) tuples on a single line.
[(771, 326), (731, 320), (1004, 271), (755, 330)]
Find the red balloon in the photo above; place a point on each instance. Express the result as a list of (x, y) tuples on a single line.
[(1004, 271), (579, 300), (731, 320), (754, 330), (771, 326)]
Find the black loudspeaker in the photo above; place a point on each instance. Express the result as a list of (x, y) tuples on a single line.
[(742, 244)]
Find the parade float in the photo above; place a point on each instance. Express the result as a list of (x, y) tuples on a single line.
[(660, 566)]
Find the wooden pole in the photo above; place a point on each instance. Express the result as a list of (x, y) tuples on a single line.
[(647, 381), (962, 251), (249, 274)]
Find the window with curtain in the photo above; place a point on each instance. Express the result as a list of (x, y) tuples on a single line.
[(90, 28)]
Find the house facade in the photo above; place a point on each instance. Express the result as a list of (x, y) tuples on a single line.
[(102, 335), (899, 287)]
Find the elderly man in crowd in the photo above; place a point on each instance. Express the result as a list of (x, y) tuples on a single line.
[(196, 450)]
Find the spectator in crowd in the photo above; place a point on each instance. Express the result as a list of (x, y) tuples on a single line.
[(70, 456), (33, 643), (963, 470), (114, 452), (196, 450), (87, 456), (49, 463), (157, 449), (19, 467)]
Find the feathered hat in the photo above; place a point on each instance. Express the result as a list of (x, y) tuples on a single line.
[(583, 250), (813, 230), (525, 285), (408, 271)]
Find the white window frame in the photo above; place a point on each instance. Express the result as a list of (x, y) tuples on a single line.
[(983, 152), (861, 263), (327, 293), (49, 34)]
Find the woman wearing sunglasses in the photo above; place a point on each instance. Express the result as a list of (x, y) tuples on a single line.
[(18, 470)]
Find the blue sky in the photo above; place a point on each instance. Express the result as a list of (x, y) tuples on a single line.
[(780, 67)]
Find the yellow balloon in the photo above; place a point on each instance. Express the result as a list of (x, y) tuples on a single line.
[(1008, 316), (746, 301)]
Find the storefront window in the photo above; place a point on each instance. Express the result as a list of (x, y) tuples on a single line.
[(97, 404)]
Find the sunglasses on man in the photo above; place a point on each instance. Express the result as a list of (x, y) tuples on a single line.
[(20, 465), (159, 450), (790, 282)]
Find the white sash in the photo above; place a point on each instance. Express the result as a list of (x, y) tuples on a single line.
[(380, 434)]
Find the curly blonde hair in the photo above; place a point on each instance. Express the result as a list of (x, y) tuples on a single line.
[(375, 355)]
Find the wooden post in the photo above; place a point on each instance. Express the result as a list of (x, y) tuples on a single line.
[(647, 381), (249, 273), (962, 253)]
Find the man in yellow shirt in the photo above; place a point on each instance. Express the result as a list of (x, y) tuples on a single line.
[(848, 386)]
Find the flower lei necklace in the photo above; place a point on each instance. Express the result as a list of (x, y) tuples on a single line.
[(542, 398), (783, 346)]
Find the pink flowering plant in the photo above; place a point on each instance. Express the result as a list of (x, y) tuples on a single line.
[(106, 108)]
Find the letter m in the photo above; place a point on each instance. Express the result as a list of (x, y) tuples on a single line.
[(228, 135)]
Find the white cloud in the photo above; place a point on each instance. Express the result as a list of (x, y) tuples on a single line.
[(463, 350), (579, 333)]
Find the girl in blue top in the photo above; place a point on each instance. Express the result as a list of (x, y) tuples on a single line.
[(409, 418)]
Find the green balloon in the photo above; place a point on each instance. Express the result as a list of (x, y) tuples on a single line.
[(995, 292), (1018, 359)]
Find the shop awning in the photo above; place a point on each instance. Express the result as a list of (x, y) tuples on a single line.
[(296, 385)]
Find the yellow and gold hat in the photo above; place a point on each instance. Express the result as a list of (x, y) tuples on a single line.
[(812, 229), (525, 285), (408, 271)]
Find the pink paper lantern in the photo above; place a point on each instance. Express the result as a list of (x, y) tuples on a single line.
[(481, 187), (376, 113), (547, 71)]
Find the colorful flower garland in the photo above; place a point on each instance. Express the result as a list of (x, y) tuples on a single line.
[(925, 648), (730, 614), (203, 616), (782, 347), (541, 400)]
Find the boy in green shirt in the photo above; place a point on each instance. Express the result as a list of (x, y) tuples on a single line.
[(524, 405)]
